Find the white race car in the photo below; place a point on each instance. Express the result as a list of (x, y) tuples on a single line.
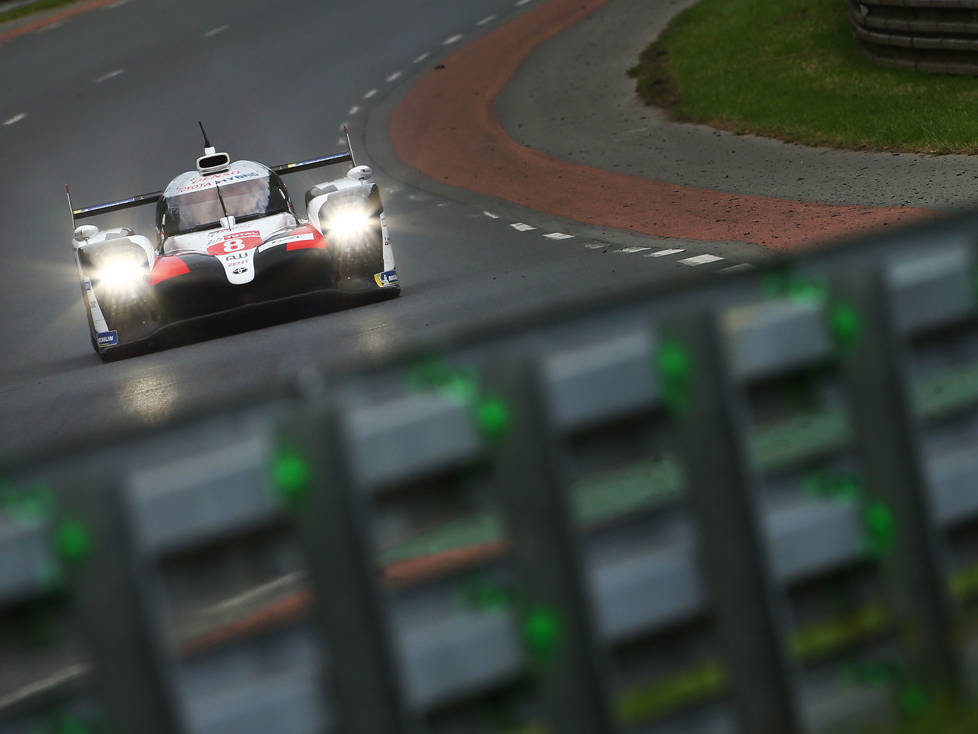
[(229, 236)]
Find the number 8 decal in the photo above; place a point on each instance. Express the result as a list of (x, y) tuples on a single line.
[(234, 245)]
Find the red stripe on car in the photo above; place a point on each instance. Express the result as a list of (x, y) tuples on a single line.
[(167, 267)]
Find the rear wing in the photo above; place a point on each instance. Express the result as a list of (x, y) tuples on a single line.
[(153, 197)]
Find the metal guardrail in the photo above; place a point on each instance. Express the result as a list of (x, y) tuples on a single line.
[(937, 36), (789, 432)]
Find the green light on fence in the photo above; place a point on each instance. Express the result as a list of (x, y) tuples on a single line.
[(492, 416), (674, 368), (880, 528), (292, 476), (806, 291), (913, 701), (845, 325), (73, 541), (541, 633)]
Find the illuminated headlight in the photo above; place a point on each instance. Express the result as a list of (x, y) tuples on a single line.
[(347, 223), (121, 277)]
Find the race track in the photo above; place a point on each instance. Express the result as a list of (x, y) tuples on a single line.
[(108, 100)]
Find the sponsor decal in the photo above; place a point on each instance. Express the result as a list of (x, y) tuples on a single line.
[(200, 182), (239, 271), (107, 338), (386, 279)]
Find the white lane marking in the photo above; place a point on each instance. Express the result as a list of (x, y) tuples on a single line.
[(454, 39), (51, 27), (737, 268), (520, 3), (370, 94), (662, 253), (700, 260), (521, 227), (394, 77), (111, 75), (631, 250), (444, 203), (595, 245), (214, 31), (491, 215), (353, 110), (117, 4), (421, 58), (559, 236), (15, 119), (487, 19)]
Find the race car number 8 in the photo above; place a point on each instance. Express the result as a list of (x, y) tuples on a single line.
[(234, 245)]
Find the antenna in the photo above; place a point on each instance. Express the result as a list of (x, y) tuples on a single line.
[(207, 142), (70, 210), (349, 146)]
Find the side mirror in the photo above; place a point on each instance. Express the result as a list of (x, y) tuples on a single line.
[(360, 173), (85, 232)]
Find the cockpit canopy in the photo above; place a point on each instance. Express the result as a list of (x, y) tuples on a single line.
[(192, 202)]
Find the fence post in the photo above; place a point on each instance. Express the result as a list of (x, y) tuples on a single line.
[(556, 618), (313, 471), (899, 516), (710, 417), (114, 589)]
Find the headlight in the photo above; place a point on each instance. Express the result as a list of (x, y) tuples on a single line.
[(120, 277), (347, 223)]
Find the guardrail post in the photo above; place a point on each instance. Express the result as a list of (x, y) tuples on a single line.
[(113, 590), (313, 472), (709, 415), (556, 620), (899, 516)]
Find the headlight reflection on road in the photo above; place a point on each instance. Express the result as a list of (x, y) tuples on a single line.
[(150, 397)]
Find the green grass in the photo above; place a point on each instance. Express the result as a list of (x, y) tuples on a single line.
[(790, 69), (21, 10)]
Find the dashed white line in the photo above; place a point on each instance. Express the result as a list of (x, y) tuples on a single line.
[(700, 260), (520, 3), (15, 119), (51, 27), (370, 94), (737, 268), (521, 227), (214, 31), (111, 75), (117, 4), (353, 110), (491, 215), (421, 58), (559, 236), (487, 19), (595, 245), (631, 250), (441, 204), (663, 253), (394, 77), (454, 39)]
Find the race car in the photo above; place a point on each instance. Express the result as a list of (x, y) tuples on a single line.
[(228, 237)]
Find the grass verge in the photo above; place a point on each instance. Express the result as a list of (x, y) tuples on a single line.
[(35, 7), (790, 69)]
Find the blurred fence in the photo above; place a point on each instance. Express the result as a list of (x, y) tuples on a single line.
[(747, 505)]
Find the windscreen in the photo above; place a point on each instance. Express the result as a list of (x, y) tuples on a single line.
[(244, 200)]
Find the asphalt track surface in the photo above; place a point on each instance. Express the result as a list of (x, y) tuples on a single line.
[(108, 101)]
